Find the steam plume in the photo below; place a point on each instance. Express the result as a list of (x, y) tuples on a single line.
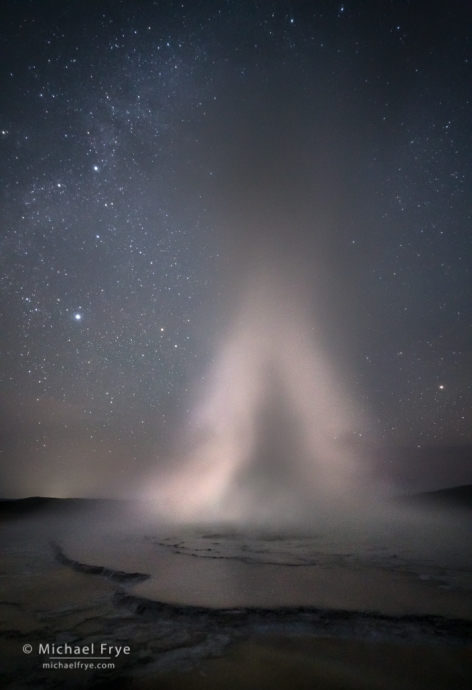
[(268, 438)]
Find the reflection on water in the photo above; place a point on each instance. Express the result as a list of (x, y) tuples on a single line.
[(343, 566), (399, 567)]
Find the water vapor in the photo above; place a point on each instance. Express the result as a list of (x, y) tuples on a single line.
[(271, 435)]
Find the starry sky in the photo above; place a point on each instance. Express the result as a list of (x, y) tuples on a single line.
[(152, 152)]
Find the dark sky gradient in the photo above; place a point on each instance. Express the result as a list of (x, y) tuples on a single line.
[(153, 153)]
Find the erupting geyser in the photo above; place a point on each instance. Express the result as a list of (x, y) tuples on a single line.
[(270, 437)]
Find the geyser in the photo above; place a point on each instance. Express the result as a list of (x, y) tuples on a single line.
[(271, 436)]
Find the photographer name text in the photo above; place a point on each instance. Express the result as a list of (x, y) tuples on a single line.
[(68, 650)]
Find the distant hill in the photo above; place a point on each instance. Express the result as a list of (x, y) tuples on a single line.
[(11, 508), (455, 497)]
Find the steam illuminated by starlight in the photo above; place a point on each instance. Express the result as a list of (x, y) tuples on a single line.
[(270, 434)]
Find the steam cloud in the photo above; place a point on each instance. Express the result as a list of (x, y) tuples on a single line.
[(270, 437)]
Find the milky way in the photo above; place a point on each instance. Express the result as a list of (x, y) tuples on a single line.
[(152, 155)]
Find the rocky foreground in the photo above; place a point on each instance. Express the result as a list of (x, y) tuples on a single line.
[(53, 605)]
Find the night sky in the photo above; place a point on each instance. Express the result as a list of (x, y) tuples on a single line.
[(154, 154)]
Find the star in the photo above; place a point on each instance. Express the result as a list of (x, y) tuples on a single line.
[(107, 201)]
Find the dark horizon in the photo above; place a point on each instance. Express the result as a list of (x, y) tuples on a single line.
[(400, 471)]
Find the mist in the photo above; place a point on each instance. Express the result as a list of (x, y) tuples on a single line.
[(272, 434)]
